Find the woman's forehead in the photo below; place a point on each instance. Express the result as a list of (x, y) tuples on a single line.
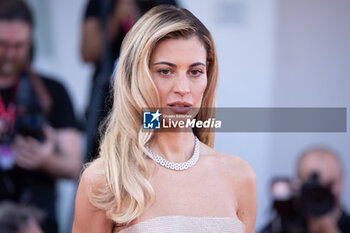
[(182, 48)]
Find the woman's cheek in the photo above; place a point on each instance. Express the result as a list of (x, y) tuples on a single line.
[(200, 91), (203, 85)]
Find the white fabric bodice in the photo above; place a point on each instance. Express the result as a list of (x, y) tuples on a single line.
[(187, 224)]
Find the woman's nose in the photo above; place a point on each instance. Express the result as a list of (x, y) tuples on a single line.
[(182, 85)]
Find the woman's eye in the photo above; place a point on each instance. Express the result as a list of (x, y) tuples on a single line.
[(196, 73), (164, 72)]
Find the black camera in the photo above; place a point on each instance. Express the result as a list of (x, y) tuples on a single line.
[(316, 199), (293, 203), (30, 119), (31, 125)]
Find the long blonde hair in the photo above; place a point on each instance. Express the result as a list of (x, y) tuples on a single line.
[(128, 192)]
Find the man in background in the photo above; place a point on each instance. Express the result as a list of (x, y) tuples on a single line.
[(312, 202), (39, 142), (327, 165)]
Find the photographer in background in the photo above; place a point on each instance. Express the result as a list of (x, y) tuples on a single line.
[(311, 203), (39, 142), (326, 164)]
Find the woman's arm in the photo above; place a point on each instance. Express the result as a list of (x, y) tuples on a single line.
[(89, 219), (247, 196)]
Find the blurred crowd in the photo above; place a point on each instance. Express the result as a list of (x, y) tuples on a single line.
[(41, 141), (40, 138)]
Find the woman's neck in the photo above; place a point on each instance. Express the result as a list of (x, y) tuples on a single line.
[(176, 147)]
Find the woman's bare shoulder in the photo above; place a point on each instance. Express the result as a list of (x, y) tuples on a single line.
[(242, 177), (234, 164), (93, 173), (89, 218)]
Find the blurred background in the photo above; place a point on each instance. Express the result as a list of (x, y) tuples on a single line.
[(272, 53)]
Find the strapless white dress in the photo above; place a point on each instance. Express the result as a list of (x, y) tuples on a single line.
[(187, 224)]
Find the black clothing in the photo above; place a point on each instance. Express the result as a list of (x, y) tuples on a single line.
[(62, 113), (301, 226), (344, 223), (93, 10), (35, 187)]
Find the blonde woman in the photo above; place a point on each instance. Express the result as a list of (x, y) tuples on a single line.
[(168, 60)]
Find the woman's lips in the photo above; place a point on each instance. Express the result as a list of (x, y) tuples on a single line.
[(180, 107)]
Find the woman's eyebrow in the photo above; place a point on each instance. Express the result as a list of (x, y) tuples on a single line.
[(173, 65), (197, 64), (164, 63)]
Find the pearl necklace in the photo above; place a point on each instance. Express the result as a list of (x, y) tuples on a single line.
[(177, 166)]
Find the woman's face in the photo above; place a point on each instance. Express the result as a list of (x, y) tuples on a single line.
[(178, 68)]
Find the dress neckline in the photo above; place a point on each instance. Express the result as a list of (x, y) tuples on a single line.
[(234, 219)]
